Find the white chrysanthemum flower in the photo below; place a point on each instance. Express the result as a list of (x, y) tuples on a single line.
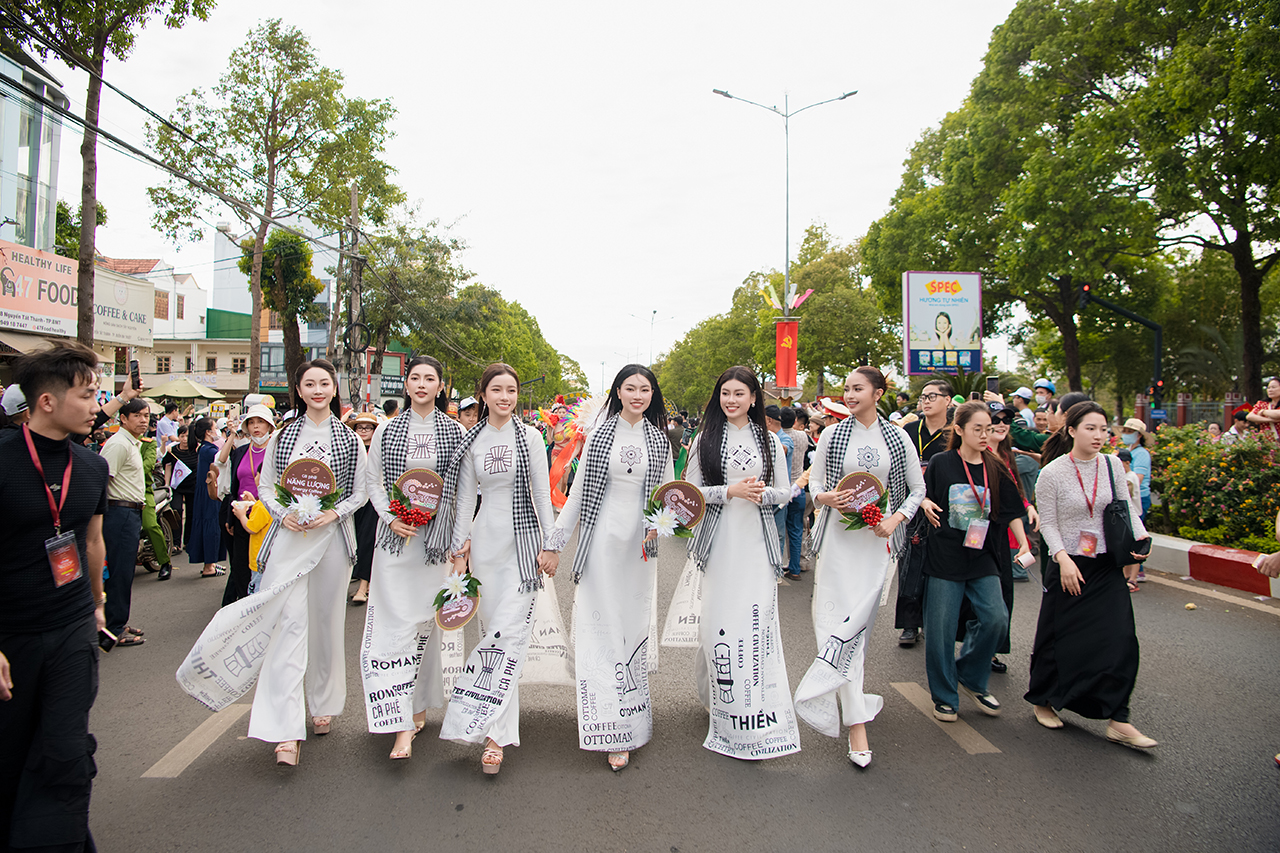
[(454, 586), (664, 521), (306, 508)]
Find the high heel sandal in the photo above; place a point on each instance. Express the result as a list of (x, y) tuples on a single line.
[(488, 764), (404, 752), (619, 760), (321, 725), (287, 753)]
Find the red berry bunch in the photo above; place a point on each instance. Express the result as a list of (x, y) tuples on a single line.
[(410, 515), (871, 515)]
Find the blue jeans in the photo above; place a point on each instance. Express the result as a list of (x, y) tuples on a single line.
[(1146, 508), (795, 532), (942, 600), (121, 530)]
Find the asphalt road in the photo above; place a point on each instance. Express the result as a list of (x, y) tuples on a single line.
[(1206, 691)]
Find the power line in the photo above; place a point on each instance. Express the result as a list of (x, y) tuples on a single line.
[(68, 57), (137, 153)]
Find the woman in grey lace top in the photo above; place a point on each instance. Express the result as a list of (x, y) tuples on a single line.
[(1085, 657)]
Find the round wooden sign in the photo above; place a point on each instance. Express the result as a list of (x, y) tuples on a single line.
[(684, 499), (867, 489), (309, 477), (423, 487), (457, 612)]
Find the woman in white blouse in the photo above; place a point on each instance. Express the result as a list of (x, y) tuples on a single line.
[(307, 645), (400, 659), (508, 460), (626, 457), (740, 671), (1085, 657), (852, 565)]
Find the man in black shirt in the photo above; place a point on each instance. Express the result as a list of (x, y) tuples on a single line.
[(51, 603), (929, 435)]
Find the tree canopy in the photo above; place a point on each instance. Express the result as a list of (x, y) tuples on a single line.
[(1098, 133)]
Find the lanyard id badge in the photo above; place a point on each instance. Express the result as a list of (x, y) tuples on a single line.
[(1088, 544), (976, 534), (64, 558)]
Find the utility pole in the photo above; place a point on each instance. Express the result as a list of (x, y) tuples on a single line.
[(354, 302)]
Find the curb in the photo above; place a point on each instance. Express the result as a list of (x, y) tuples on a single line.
[(1229, 567)]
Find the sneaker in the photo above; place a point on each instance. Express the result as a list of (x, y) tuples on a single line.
[(986, 703), (945, 713), (1142, 577), (909, 637)]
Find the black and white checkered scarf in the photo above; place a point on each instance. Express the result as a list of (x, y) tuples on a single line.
[(836, 450), (524, 516), (706, 530), (395, 452), (344, 455), (595, 474)]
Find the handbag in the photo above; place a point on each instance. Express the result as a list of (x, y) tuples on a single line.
[(1117, 529)]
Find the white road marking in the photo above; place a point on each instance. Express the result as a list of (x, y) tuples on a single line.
[(1213, 593), (960, 731), (180, 757)]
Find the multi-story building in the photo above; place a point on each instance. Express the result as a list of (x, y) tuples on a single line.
[(30, 139)]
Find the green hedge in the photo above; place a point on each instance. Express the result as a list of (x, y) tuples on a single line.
[(1215, 493)]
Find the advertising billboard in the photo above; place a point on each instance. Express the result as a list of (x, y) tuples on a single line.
[(37, 291), (38, 295), (942, 322)]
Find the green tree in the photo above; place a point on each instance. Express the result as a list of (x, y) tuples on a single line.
[(85, 33), (413, 274), (266, 140), (1202, 134), (67, 229), (1023, 184), (288, 286)]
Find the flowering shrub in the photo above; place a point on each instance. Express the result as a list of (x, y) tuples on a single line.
[(1222, 494)]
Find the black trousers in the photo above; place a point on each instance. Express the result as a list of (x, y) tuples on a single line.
[(183, 504), (46, 751), (239, 573), (366, 524), (910, 605), (121, 531)]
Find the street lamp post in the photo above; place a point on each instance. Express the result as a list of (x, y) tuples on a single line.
[(788, 295)]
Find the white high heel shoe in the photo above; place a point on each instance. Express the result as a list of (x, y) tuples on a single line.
[(860, 757)]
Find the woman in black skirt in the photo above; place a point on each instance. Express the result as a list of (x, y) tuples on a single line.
[(1085, 657), (366, 519)]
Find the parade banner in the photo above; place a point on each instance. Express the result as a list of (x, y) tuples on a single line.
[(681, 628), (942, 322), (548, 659), (226, 659), (787, 332)]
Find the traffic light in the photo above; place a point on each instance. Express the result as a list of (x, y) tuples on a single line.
[(1084, 296)]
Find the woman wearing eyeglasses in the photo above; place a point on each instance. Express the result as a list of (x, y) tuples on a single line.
[(971, 499)]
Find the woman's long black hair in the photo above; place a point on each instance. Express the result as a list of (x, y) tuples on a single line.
[(1061, 442), (300, 405), (198, 431), (711, 436), (442, 399), (656, 414), (995, 468)]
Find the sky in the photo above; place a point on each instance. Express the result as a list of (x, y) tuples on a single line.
[(577, 148)]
